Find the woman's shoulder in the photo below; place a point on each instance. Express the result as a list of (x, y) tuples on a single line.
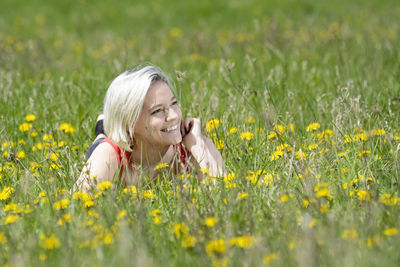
[(104, 152)]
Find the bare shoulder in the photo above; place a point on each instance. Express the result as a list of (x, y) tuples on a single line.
[(101, 166)]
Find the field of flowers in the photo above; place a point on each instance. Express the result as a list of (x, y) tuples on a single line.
[(302, 98)]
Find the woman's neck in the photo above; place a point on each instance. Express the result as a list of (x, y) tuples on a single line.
[(149, 155)]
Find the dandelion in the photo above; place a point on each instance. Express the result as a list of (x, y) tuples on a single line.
[(232, 130), (30, 117), (242, 241), (88, 203), (269, 258), (276, 155), (21, 155), (284, 198), (349, 234), (11, 219), (250, 120), (66, 218), (323, 192), (312, 223), (246, 136), (104, 185), (391, 231), (364, 152), (280, 128), (3, 238), (67, 128), (24, 127), (378, 132), (272, 135), (210, 221), (49, 241), (180, 229), (216, 246), (189, 241), (6, 193), (313, 126), (157, 220), (161, 165), (212, 124), (148, 194), (62, 204), (242, 195), (363, 195), (300, 155), (219, 144)]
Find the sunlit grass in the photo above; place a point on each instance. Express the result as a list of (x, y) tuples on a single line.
[(302, 100)]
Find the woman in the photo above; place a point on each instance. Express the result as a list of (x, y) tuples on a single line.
[(144, 127)]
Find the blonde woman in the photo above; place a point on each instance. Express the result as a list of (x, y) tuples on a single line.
[(143, 127)]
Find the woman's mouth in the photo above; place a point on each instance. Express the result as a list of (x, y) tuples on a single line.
[(170, 129)]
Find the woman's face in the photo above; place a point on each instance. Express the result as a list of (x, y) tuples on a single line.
[(160, 119)]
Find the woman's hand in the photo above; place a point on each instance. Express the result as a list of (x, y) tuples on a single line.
[(191, 132), (201, 148)]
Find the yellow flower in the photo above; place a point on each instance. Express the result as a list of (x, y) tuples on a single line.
[(242, 195), (210, 221), (148, 194), (232, 130), (284, 198), (52, 156), (30, 117), (323, 192), (216, 246), (157, 220), (378, 132), (312, 223), (11, 219), (66, 218), (269, 258), (242, 241), (6, 193), (272, 135), (11, 206), (21, 155), (189, 241), (391, 231), (161, 165), (349, 234), (62, 204), (180, 229), (212, 124), (67, 128), (219, 143), (250, 120), (300, 155), (3, 238), (364, 152), (104, 185), (276, 155), (47, 137), (24, 127), (88, 203), (130, 190), (312, 127), (246, 136), (49, 241), (155, 212), (363, 195)]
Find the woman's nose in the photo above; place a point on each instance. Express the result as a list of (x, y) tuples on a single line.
[(172, 114)]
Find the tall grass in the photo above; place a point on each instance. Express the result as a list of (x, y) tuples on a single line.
[(306, 98)]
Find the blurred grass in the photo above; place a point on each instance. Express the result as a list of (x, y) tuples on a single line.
[(290, 62)]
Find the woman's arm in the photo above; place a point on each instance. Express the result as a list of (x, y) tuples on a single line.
[(201, 147), (101, 166)]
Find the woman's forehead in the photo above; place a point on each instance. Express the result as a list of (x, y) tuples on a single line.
[(158, 93)]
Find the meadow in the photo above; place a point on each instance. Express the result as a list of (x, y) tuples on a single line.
[(302, 98)]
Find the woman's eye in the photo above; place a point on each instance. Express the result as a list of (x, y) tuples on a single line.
[(156, 111), (174, 103)]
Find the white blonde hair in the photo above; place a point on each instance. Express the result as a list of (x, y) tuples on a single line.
[(124, 101)]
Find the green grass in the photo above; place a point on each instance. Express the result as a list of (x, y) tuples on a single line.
[(288, 63)]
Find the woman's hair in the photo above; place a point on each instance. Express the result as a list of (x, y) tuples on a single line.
[(124, 100)]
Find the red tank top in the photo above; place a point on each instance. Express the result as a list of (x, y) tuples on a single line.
[(124, 156)]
